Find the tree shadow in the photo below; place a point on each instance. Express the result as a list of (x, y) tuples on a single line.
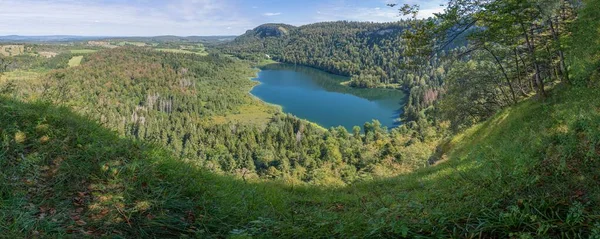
[(64, 174)]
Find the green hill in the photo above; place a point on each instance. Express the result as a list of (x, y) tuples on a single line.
[(531, 170)]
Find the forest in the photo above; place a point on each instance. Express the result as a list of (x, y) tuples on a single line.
[(170, 99), (499, 136)]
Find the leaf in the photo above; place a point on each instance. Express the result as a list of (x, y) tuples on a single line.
[(381, 211), (404, 230)]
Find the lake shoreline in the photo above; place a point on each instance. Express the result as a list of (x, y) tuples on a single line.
[(257, 83), (318, 96), (278, 107)]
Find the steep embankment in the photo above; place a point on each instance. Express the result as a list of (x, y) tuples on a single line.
[(532, 169)]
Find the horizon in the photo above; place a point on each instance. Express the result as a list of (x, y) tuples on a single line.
[(151, 18), (117, 36)]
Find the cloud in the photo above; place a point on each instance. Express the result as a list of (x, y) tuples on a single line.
[(182, 17), (271, 14), (121, 18), (357, 14), (343, 10)]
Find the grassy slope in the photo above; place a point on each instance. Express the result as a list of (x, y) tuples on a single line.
[(531, 169)]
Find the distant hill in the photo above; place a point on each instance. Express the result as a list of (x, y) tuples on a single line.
[(271, 30), (170, 38), (53, 38)]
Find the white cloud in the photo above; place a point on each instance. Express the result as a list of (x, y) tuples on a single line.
[(178, 17), (72, 17), (271, 14), (341, 10)]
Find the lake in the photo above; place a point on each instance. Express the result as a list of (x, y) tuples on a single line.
[(318, 96)]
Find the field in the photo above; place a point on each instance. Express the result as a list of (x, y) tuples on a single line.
[(83, 51), (25, 83), (75, 61), (48, 54), (124, 43), (12, 50), (257, 113), (181, 51)]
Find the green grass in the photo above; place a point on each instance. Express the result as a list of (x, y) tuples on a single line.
[(75, 61), (531, 171), (28, 85), (265, 62), (83, 51), (124, 43), (257, 113)]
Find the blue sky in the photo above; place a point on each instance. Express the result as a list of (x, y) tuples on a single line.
[(184, 17)]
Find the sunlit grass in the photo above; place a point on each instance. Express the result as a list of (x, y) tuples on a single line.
[(256, 113), (26, 84), (202, 53), (75, 61), (83, 51)]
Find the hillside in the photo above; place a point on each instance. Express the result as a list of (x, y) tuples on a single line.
[(529, 170), (270, 30)]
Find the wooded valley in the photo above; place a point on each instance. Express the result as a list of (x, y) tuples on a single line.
[(160, 137)]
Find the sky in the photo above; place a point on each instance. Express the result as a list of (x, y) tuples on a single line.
[(185, 17)]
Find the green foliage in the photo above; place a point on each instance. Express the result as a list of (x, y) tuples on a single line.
[(516, 175), (514, 48), (27, 62), (474, 92), (584, 46)]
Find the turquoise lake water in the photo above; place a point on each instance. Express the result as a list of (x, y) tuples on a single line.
[(317, 96)]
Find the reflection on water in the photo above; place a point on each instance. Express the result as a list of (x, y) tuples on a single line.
[(319, 97)]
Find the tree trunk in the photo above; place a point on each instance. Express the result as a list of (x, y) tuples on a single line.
[(531, 46), (519, 74), (512, 90), (563, 67)]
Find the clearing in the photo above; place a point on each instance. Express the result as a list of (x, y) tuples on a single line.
[(256, 113), (202, 53), (75, 61), (12, 50), (83, 51)]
